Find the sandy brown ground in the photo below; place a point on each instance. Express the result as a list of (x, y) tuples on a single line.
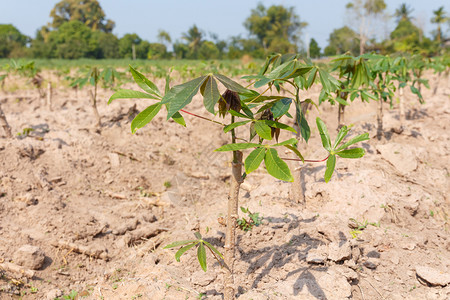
[(104, 193)]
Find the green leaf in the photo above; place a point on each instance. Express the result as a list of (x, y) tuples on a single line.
[(201, 255), (234, 125), (198, 235), (352, 153), (213, 249), (238, 146), (145, 116), (292, 141), (359, 138), (276, 166), (231, 85), (305, 131), (167, 85), (130, 94), (179, 243), (237, 114), (341, 101), (144, 83), (246, 110), (279, 125), (183, 250), (341, 135), (281, 107), (331, 163), (325, 81), (295, 150), (254, 159), (178, 118), (210, 93), (263, 130), (324, 134), (181, 95)]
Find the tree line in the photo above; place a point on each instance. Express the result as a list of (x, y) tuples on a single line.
[(80, 29)]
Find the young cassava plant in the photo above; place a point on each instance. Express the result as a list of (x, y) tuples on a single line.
[(261, 113)]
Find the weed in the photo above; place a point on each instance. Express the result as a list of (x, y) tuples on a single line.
[(167, 184), (247, 224)]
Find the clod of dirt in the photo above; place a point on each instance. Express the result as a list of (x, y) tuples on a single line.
[(53, 294), (31, 257), (400, 156), (203, 279), (432, 276), (338, 252), (318, 255), (371, 263)]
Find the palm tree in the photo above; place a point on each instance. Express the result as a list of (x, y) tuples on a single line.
[(439, 18), (403, 13), (164, 36), (194, 38)]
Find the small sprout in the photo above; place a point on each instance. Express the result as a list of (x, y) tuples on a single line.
[(167, 184), (253, 220)]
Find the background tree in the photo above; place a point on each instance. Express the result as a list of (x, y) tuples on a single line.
[(314, 49), (439, 17), (277, 28), (342, 40), (108, 45), (73, 40), (12, 41), (163, 37), (157, 51), (126, 44), (365, 13), (194, 39), (403, 12), (89, 12)]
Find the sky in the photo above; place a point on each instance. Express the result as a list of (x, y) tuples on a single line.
[(224, 18)]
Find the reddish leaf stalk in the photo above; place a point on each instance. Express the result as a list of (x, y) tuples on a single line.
[(195, 115)]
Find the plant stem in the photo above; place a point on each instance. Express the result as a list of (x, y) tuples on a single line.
[(94, 105), (306, 160), (5, 124), (232, 215), (380, 116), (402, 108)]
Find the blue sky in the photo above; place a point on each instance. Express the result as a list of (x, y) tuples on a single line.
[(225, 17)]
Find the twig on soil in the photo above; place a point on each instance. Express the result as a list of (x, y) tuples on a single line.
[(86, 250), (362, 293), (143, 233), (16, 269)]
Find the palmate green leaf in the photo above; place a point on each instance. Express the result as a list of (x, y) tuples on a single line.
[(352, 153), (262, 82), (325, 137), (201, 255), (359, 138), (237, 114), (231, 85), (179, 243), (183, 250), (238, 146), (331, 164), (181, 95), (276, 166), (325, 80), (130, 94), (295, 150), (281, 107), (210, 93), (292, 141), (234, 125), (305, 130), (263, 130), (246, 110), (198, 235), (279, 125), (213, 249), (341, 135), (145, 116), (341, 101), (144, 83), (254, 159)]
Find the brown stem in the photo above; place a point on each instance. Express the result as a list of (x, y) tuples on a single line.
[(341, 120), (94, 107), (380, 118), (4, 123), (232, 215), (437, 83), (401, 101)]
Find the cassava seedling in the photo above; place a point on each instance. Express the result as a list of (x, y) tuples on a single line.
[(262, 114)]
